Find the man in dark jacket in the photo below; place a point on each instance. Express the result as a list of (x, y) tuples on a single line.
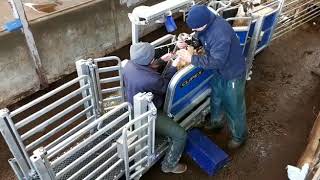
[(139, 76), (224, 56)]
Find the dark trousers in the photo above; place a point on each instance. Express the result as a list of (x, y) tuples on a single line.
[(168, 128), (228, 98)]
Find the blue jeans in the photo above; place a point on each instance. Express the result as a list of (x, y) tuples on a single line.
[(228, 98), (168, 128)]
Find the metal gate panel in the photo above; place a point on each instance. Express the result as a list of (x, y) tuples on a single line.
[(47, 121), (109, 81), (87, 154), (107, 153), (138, 160), (295, 13)]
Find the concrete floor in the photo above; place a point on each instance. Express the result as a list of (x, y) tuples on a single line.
[(283, 99)]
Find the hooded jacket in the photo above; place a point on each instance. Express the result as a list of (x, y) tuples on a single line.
[(138, 78), (223, 50)]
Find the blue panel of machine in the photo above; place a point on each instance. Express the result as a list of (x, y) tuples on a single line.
[(246, 50), (205, 153), (242, 46), (265, 39), (251, 30), (242, 35), (190, 81), (187, 101), (269, 21)]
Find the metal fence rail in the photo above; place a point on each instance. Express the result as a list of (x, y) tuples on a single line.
[(107, 153), (294, 14), (142, 157), (110, 86), (87, 154), (47, 124)]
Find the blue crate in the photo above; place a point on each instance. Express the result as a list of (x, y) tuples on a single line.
[(205, 153), (13, 25)]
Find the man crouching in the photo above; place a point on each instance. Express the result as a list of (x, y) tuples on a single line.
[(139, 76)]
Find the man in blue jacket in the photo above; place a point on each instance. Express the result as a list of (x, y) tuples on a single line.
[(139, 76), (223, 54)]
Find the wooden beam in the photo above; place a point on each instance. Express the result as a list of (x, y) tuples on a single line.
[(312, 149), (18, 6)]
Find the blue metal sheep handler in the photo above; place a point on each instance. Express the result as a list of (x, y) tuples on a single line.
[(205, 153)]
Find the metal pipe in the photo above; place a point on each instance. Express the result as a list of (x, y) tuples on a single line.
[(109, 80), (297, 22), (131, 146), (54, 118), (139, 118), (70, 139), (109, 169), (16, 169), (108, 69), (137, 130), (280, 7), (290, 3), (34, 53), (186, 122), (150, 138), (121, 82), (93, 90), (295, 8), (267, 4), (86, 141), (69, 133), (110, 90), (292, 28), (109, 108), (296, 15), (137, 172), (95, 160), (138, 163), (15, 142), (51, 93), (112, 98), (50, 107), (88, 153), (57, 129), (109, 58), (125, 151), (99, 168), (135, 155)]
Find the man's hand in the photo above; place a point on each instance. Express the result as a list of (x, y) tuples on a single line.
[(185, 55), (167, 57), (176, 62), (182, 45)]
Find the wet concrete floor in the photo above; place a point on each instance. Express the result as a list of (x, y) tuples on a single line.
[(283, 99)]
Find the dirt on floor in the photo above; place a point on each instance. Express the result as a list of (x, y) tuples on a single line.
[(283, 99)]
